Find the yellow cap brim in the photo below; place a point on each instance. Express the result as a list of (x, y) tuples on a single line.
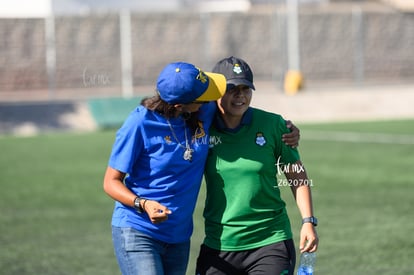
[(216, 87)]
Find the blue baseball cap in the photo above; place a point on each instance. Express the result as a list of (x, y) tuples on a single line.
[(183, 83)]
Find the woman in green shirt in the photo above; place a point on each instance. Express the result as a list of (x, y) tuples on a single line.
[(246, 224)]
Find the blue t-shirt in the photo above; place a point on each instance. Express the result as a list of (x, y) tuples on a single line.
[(147, 151)]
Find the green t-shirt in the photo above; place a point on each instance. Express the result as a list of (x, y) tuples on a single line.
[(243, 207)]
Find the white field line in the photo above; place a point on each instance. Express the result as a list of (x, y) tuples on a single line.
[(358, 137)]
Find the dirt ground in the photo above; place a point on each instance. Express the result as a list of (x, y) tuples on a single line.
[(316, 104)]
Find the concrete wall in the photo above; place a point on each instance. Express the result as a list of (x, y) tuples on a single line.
[(337, 43)]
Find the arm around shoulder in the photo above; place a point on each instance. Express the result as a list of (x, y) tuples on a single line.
[(292, 138)]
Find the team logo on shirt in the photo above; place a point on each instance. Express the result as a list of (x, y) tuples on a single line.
[(260, 139), (167, 139), (199, 132), (237, 69)]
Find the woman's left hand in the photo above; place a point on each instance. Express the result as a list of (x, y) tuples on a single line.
[(308, 238)]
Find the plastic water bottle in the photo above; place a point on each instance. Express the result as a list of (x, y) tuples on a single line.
[(307, 263)]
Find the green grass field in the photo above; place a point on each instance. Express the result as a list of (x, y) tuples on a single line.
[(55, 217)]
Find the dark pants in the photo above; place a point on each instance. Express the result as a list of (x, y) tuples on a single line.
[(277, 259)]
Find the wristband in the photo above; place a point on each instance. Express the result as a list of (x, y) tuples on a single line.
[(311, 220)]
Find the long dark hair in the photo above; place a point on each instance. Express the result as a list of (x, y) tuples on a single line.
[(156, 104)]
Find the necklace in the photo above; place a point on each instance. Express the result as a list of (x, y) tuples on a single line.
[(188, 152)]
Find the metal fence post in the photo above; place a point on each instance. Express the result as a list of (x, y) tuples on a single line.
[(358, 44), (205, 29), (293, 35), (50, 38), (126, 53), (293, 78)]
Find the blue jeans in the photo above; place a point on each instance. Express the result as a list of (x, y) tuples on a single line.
[(138, 254)]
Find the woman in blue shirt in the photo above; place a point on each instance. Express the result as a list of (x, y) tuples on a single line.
[(155, 171)]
